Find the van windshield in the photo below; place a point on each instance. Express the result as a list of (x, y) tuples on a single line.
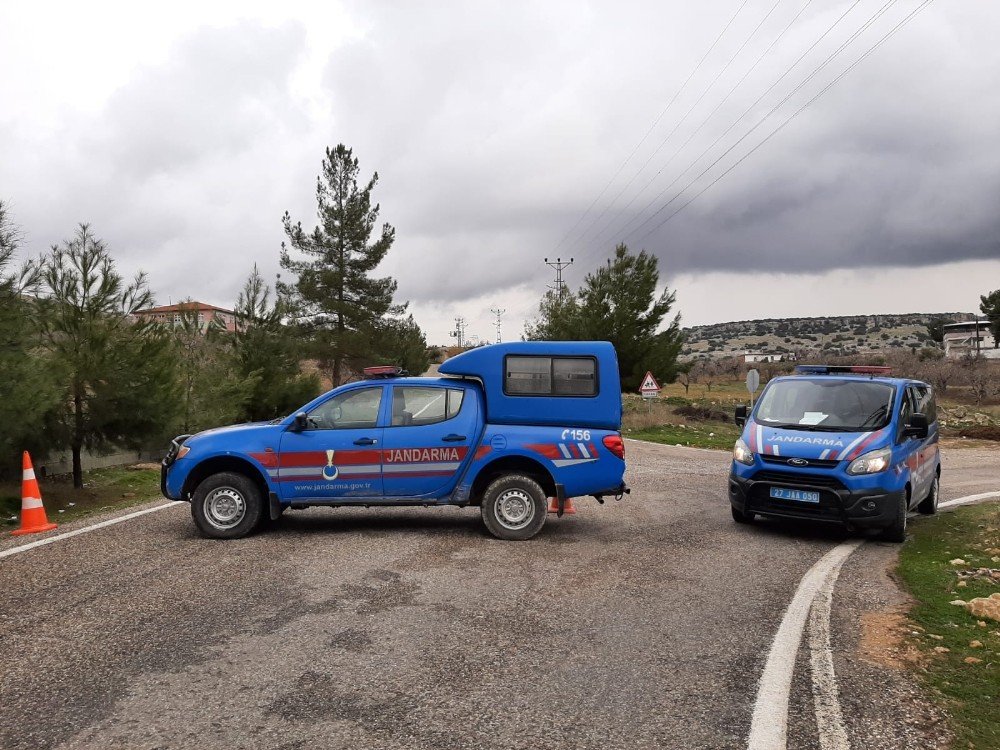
[(832, 405)]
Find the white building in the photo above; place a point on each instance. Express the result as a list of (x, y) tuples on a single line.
[(751, 357), (960, 340)]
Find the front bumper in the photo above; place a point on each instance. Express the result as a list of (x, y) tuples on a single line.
[(871, 508), (168, 461)]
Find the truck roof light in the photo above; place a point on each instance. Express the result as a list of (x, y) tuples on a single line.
[(843, 370), (383, 371)]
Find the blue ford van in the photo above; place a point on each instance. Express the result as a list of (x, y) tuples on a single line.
[(848, 445)]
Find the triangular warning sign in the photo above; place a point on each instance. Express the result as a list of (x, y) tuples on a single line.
[(649, 384)]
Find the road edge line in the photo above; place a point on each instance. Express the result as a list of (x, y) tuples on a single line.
[(830, 726), (94, 527), (769, 725)]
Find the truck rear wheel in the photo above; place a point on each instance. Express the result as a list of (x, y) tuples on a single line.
[(227, 505), (514, 507)]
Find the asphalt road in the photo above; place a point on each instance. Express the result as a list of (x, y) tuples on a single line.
[(639, 624)]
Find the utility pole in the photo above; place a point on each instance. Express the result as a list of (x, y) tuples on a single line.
[(559, 264), (459, 332), (498, 311)]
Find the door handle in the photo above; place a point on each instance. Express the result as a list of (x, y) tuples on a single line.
[(365, 441), (453, 438)]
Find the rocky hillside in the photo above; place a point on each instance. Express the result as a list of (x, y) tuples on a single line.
[(853, 334)]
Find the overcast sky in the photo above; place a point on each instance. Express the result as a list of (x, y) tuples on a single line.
[(499, 130)]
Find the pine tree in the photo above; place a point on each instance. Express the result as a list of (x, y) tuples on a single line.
[(402, 343), (989, 305), (618, 303), (116, 375), (26, 388), (268, 350), (334, 296)]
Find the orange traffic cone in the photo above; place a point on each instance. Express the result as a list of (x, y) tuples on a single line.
[(567, 505), (33, 517)]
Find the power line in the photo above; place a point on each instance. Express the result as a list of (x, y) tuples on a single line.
[(701, 126), (651, 127), (459, 332), (878, 14), (676, 127), (774, 132)]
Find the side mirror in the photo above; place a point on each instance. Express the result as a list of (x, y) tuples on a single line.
[(741, 414), (301, 421), (916, 426)]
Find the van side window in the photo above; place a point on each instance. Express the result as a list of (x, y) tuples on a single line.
[(904, 413), (550, 376), (925, 402)]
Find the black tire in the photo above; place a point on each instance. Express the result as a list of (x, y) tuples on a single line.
[(929, 505), (740, 517), (896, 531), (227, 505), (514, 507)]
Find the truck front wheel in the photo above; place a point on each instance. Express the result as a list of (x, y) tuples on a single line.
[(227, 505), (514, 507)]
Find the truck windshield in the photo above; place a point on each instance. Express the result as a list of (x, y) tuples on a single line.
[(835, 405)]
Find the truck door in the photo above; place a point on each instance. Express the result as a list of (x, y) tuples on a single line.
[(427, 439), (338, 454), (910, 447)]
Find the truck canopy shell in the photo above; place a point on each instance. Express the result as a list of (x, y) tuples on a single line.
[(492, 366)]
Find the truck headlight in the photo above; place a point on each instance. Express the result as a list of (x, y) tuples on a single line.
[(742, 453), (871, 463)]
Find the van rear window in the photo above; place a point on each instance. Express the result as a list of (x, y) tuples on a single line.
[(550, 376)]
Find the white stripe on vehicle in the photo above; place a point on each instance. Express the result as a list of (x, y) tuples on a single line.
[(583, 450), (846, 452), (572, 461), (565, 451), (760, 439), (824, 454), (404, 468), (777, 449)]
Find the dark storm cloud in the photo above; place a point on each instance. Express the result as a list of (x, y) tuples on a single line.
[(494, 125)]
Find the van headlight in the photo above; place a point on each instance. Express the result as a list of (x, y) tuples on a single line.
[(871, 463), (742, 453)]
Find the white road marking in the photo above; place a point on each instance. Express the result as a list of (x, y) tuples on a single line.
[(769, 725), (826, 700), (85, 529)]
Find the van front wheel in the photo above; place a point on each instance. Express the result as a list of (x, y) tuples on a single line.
[(896, 531), (513, 507)]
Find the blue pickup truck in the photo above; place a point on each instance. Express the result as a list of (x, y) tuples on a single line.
[(506, 428), (845, 444)]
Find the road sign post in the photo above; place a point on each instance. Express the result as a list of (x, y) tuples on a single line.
[(753, 383), (649, 389)]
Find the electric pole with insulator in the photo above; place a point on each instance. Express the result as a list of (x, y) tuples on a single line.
[(459, 332), (559, 264), (498, 311)]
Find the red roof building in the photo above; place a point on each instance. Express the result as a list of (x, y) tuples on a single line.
[(172, 315)]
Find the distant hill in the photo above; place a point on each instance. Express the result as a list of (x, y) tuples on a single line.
[(845, 335)]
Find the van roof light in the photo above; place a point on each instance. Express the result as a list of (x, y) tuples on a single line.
[(843, 370)]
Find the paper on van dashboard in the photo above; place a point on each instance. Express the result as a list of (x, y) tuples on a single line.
[(813, 417)]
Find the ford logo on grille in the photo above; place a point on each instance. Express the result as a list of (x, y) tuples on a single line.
[(798, 462)]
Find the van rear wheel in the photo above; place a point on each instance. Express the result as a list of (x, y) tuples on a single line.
[(929, 505), (513, 507)]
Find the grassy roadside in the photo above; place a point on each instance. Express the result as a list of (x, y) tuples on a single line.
[(950, 638), (104, 489), (676, 420)]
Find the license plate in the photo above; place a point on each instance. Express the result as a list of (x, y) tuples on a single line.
[(802, 496)]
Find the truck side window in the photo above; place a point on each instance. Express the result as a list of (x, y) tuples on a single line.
[(574, 376), (353, 410), (414, 406), (455, 398), (528, 376), (550, 376)]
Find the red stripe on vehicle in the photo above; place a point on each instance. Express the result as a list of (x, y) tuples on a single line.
[(864, 444), (268, 459), (481, 451), (546, 449), (340, 458)]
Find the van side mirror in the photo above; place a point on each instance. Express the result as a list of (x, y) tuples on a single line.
[(916, 426), (741, 414), (301, 421)]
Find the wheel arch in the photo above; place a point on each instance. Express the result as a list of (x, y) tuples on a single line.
[(514, 464), (217, 464)]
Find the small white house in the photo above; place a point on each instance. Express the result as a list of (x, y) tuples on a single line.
[(750, 357), (969, 338)]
